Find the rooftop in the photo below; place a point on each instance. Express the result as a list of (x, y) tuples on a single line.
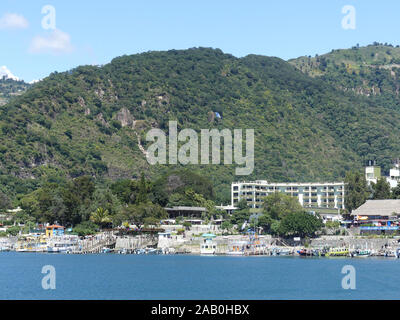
[(378, 208), (186, 209), (280, 184), (54, 226)]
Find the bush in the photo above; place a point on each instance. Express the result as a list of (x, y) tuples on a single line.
[(14, 230), (300, 224), (187, 225), (85, 228)]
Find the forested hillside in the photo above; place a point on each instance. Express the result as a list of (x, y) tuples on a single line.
[(309, 123), (372, 71), (10, 88)]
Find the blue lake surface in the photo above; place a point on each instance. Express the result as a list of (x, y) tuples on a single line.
[(110, 276)]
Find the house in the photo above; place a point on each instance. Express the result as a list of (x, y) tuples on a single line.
[(54, 230), (229, 209), (377, 215), (189, 212)]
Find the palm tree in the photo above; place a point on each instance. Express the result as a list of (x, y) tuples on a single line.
[(101, 217)]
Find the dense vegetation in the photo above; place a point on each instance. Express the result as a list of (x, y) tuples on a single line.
[(81, 201), (10, 88), (358, 191), (87, 121), (282, 215), (371, 72)]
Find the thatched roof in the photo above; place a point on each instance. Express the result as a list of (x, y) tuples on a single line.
[(378, 208)]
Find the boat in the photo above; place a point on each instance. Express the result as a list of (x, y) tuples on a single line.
[(106, 250), (337, 252), (123, 251), (285, 252), (305, 252), (153, 251), (5, 245), (208, 246), (391, 253), (140, 251), (361, 253), (280, 251), (62, 244), (27, 246)]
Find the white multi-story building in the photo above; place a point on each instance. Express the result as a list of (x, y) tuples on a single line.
[(310, 194), (394, 175), (373, 173)]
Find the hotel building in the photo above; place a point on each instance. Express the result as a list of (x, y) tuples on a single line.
[(310, 195)]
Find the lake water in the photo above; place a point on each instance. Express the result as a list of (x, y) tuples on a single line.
[(110, 276)]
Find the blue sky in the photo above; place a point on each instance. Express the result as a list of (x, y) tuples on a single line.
[(94, 32)]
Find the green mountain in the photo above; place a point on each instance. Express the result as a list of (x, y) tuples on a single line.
[(10, 88), (372, 71), (309, 123)]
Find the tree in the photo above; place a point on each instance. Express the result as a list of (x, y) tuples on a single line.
[(5, 202), (277, 205), (265, 221), (14, 230), (381, 189), (151, 221), (101, 217), (275, 227), (138, 213), (77, 197), (226, 225), (239, 216), (300, 224), (356, 190), (396, 192), (187, 225), (142, 190), (85, 228)]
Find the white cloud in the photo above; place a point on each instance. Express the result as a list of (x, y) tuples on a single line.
[(54, 42), (4, 72), (13, 21)]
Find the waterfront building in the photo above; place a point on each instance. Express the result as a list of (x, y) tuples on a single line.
[(378, 212), (189, 212), (314, 195), (54, 230), (377, 215), (208, 246)]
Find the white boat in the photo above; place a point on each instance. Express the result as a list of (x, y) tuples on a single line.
[(235, 253), (31, 247), (140, 251), (153, 251), (106, 250), (5, 246), (361, 253), (281, 251), (63, 244)]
